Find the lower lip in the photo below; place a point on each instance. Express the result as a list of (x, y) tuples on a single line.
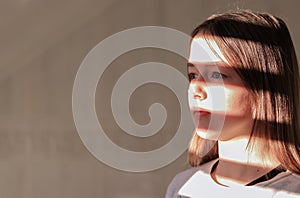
[(201, 113)]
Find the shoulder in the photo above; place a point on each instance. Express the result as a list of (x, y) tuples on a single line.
[(178, 182), (286, 182), (181, 178)]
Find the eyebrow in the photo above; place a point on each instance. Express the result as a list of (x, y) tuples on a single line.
[(189, 64)]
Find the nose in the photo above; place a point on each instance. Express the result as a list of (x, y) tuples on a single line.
[(198, 89)]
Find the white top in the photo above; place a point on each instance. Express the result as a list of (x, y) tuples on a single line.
[(197, 182)]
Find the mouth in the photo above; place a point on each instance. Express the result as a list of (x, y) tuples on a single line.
[(200, 112)]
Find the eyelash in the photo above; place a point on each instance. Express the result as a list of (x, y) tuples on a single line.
[(213, 75), (218, 73), (191, 76)]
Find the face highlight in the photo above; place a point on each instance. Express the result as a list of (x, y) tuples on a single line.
[(219, 102)]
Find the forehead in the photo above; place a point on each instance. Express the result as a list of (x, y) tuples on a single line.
[(205, 51)]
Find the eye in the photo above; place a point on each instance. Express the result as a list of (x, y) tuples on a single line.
[(192, 76), (218, 75)]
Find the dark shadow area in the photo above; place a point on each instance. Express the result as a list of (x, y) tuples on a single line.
[(274, 75), (232, 28)]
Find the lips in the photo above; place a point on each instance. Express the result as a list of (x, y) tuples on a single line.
[(200, 112)]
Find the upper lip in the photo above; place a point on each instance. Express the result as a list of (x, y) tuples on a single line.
[(201, 110)]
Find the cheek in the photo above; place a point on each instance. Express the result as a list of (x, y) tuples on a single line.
[(214, 101), (238, 102), (228, 100)]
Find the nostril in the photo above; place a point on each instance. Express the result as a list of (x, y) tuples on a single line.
[(200, 95), (197, 91)]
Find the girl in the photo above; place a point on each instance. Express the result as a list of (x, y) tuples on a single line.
[(244, 97)]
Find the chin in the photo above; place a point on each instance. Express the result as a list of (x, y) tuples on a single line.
[(208, 134)]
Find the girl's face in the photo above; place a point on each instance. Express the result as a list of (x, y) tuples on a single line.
[(219, 102)]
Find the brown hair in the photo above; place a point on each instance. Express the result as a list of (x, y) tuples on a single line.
[(260, 48)]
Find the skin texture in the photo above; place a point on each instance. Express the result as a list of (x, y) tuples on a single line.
[(219, 102), (222, 110)]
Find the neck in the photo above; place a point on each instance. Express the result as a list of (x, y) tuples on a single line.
[(234, 150), (237, 165)]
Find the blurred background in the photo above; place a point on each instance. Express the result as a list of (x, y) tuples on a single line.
[(42, 45)]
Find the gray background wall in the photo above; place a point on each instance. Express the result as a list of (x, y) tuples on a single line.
[(42, 44)]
